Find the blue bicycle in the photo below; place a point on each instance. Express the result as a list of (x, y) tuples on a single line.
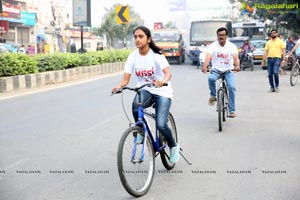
[(138, 148)]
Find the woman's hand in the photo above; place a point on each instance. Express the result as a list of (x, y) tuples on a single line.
[(158, 83), (116, 89)]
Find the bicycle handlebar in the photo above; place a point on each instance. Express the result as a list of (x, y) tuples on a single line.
[(136, 88)]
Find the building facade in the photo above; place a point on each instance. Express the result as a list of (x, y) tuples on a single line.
[(37, 24)]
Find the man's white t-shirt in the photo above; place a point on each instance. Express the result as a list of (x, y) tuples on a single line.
[(147, 69), (222, 58)]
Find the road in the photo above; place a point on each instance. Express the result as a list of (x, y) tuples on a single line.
[(62, 143)]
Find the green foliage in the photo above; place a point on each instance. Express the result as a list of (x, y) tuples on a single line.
[(50, 62), (115, 31), (12, 64), (287, 18)]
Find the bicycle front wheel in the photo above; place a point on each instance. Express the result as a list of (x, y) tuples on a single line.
[(294, 74), (220, 108), (165, 153), (136, 175)]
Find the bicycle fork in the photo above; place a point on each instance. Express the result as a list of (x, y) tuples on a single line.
[(134, 149)]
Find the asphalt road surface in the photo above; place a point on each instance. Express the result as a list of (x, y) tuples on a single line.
[(61, 144)]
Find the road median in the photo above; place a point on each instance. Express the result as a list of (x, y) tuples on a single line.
[(30, 81)]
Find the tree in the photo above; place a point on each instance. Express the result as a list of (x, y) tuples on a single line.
[(119, 32), (287, 18), (170, 25)]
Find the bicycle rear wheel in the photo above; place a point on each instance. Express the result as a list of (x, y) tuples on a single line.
[(136, 176), (165, 153), (294, 74), (220, 108)]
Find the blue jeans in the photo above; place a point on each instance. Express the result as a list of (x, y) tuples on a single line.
[(162, 108), (273, 65), (230, 82)]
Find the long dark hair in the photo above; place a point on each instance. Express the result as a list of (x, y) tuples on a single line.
[(152, 45)]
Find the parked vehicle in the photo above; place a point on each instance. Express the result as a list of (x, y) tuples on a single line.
[(4, 48)]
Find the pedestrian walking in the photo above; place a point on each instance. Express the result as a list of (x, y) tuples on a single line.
[(274, 52)]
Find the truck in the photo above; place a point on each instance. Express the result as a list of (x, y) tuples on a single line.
[(172, 44)]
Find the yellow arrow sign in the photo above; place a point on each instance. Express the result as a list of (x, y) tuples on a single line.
[(122, 14)]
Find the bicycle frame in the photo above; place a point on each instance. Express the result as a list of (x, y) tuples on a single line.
[(147, 131), (222, 85)]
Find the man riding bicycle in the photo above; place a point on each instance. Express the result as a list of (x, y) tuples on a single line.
[(224, 55)]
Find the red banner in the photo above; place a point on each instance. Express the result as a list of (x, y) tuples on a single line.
[(11, 11), (3, 26), (77, 33)]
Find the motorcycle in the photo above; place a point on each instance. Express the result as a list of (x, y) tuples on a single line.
[(247, 61)]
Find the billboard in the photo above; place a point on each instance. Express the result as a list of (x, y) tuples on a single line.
[(81, 12)]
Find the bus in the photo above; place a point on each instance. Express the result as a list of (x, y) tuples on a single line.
[(253, 30), (204, 31)]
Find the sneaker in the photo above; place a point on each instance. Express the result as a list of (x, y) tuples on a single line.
[(277, 89), (174, 154), (232, 115), (211, 101), (272, 90)]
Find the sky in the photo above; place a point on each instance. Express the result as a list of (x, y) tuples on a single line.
[(151, 10)]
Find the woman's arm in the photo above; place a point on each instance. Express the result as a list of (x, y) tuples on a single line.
[(167, 77), (125, 80)]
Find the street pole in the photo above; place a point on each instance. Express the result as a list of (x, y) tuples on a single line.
[(81, 38)]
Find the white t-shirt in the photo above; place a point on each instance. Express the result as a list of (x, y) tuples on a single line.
[(222, 57), (147, 69)]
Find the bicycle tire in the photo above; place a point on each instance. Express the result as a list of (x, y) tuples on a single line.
[(165, 153), (136, 177), (220, 103), (294, 74), (225, 104)]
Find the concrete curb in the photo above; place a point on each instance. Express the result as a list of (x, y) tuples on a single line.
[(23, 82)]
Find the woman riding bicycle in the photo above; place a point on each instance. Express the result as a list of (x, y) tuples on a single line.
[(150, 66)]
